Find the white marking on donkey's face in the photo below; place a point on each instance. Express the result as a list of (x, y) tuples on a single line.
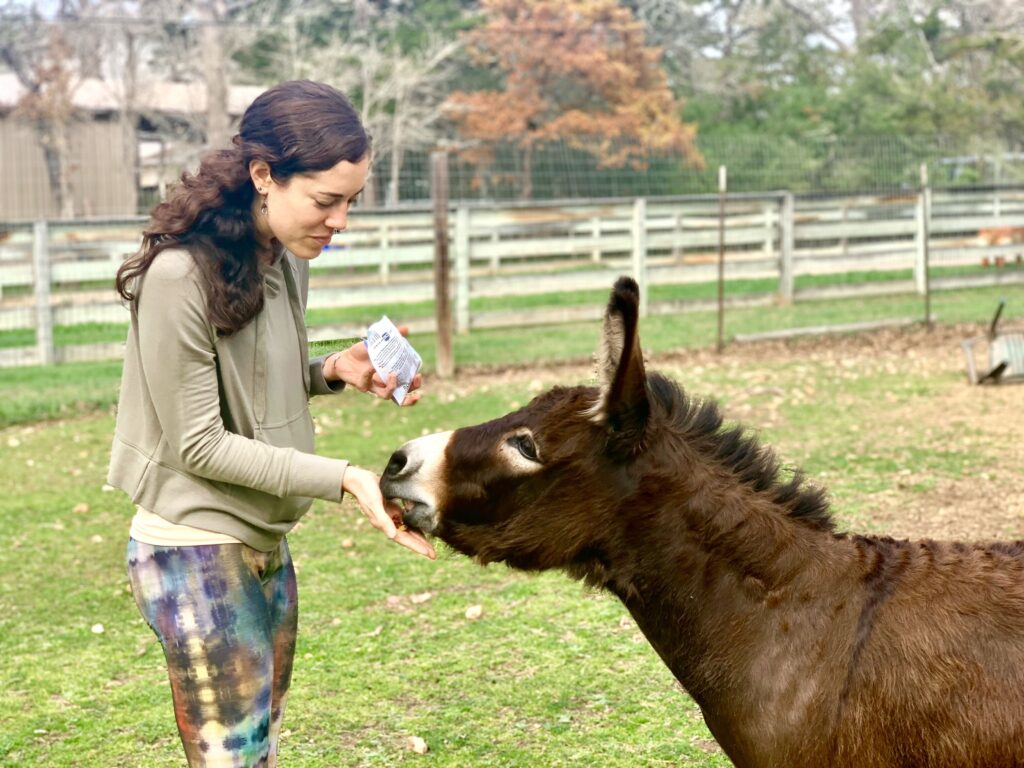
[(418, 472), (415, 474)]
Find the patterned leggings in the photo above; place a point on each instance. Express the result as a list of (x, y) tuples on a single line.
[(226, 616)]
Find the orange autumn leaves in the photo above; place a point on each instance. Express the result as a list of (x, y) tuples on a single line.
[(575, 72)]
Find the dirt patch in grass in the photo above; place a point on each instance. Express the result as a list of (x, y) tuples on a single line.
[(987, 502), (930, 410), (970, 509)]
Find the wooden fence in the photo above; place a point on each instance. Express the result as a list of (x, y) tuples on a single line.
[(60, 273)]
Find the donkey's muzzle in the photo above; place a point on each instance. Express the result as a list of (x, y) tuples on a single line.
[(414, 475)]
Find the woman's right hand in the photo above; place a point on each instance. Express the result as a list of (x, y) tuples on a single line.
[(365, 487), (353, 367)]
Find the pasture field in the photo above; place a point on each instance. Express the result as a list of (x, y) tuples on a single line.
[(549, 674), (29, 394), (738, 288)]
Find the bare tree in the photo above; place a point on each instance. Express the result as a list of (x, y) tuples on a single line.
[(213, 14), (823, 19), (398, 92), (684, 32), (418, 85)]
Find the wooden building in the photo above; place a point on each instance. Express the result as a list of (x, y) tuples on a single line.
[(106, 169)]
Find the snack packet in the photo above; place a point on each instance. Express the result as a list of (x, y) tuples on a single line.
[(390, 352)]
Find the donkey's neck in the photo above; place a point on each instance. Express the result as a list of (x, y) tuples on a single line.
[(727, 587), (695, 549)]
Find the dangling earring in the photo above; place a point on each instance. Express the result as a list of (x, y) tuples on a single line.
[(263, 207)]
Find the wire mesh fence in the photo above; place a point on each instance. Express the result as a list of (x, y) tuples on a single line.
[(111, 170), (882, 164)]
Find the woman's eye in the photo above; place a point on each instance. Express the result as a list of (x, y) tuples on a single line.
[(525, 445), (331, 203)]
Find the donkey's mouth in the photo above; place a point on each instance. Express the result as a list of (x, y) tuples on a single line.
[(417, 515)]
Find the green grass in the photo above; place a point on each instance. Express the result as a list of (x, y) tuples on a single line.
[(369, 673), (67, 335), (33, 393), (91, 333), (550, 675)]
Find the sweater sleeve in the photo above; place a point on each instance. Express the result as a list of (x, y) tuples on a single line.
[(318, 385), (179, 364)]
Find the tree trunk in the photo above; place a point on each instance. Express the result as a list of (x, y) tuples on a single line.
[(128, 118), (396, 151), (361, 30), (527, 188), (217, 122), (62, 159), (860, 16)]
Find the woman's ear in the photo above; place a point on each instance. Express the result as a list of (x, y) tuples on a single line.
[(260, 174)]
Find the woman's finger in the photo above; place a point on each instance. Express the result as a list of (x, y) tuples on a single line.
[(390, 386), (380, 519), (367, 381), (415, 541)]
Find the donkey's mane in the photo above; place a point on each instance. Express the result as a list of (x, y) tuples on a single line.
[(699, 422)]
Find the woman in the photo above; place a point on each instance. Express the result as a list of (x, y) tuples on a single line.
[(214, 441)]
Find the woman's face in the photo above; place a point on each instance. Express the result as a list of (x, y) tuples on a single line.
[(303, 213)]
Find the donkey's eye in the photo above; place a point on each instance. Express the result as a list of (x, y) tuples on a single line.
[(525, 445)]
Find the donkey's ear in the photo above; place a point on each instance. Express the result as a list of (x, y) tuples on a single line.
[(623, 406)]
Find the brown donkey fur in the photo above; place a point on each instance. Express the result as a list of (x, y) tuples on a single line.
[(802, 646)]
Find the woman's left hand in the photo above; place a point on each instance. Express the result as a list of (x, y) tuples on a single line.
[(385, 516), (353, 366)]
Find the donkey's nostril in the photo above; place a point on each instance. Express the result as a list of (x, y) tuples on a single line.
[(396, 463)]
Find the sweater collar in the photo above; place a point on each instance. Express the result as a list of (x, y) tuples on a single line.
[(273, 277)]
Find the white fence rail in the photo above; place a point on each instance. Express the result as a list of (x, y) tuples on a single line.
[(60, 273)]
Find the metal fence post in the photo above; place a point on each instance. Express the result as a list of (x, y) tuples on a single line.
[(922, 213), (639, 235), (997, 180), (385, 245), (786, 246), (723, 186), (677, 238), (925, 281), (462, 270), (45, 352), (442, 298)]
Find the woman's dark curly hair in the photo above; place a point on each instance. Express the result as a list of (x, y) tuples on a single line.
[(296, 127)]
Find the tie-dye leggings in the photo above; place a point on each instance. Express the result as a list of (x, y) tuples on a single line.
[(226, 616)]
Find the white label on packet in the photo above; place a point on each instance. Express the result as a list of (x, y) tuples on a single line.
[(390, 352)]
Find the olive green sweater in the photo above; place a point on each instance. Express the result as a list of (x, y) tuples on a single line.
[(215, 432)]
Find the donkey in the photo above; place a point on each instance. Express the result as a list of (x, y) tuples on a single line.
[(802, 646)]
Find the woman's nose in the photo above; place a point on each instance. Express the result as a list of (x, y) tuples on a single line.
[(338, 218)]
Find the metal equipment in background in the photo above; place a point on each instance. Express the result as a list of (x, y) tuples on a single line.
[(1005, 353)]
